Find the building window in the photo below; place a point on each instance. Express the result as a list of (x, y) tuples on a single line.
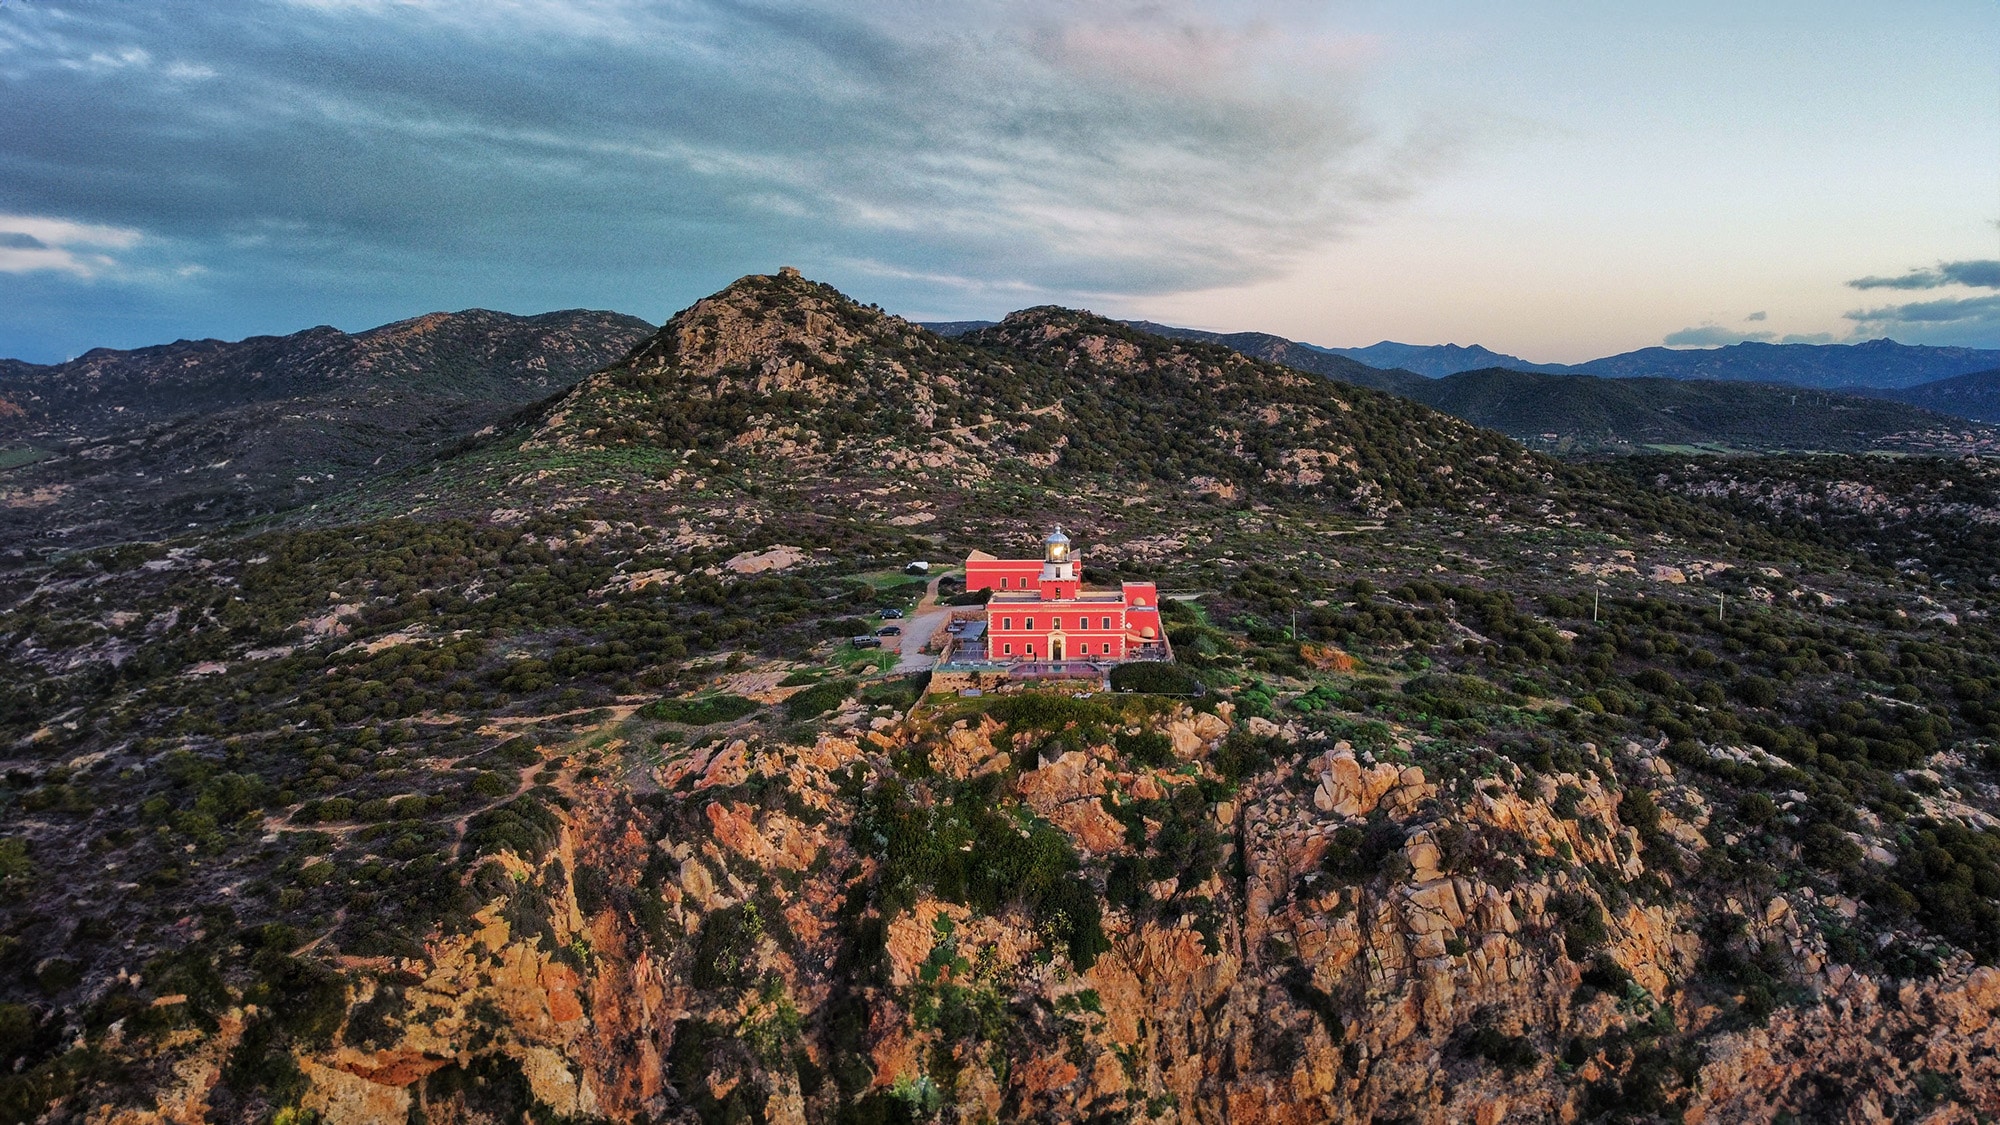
[(1031, 648), (1003, 583), (1055, 622), (1007, 649), (1006, 623), (1107, 624), (1031, 623)]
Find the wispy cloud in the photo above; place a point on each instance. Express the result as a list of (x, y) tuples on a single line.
[(1983, 273), (1958, 320), (1124, 147), (39, 244), (1714, 336)]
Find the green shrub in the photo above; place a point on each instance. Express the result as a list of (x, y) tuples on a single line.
[(1145, 748), (1582, 921), (701, 711), (900, 692), (966, 850), (725, 947), (1154, 677), (1048, 711), (818, 700), (1243, 754), (17, 1029), (493, 783), (1511, 1053), (524, 826), (1757, 691), (1356, 854), (1756, 809)]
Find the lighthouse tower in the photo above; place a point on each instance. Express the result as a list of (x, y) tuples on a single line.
[(1058, 580)]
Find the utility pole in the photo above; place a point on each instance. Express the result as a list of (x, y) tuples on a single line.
[(1719, 618), (1593, 605)]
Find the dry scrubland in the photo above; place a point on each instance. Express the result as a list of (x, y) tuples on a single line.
[(534, 780)]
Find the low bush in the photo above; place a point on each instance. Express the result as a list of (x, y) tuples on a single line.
[(965, 850), (1154, 677), (702, 711), (818, 699), (524, 826)]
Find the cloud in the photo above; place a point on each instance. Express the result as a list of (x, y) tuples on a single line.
[(1757, 316), (1968, 321), (1712, 336), (38, 244), (377, 154), (1807, 338), (1978, 274)]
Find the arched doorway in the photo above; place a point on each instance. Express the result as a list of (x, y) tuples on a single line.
[(1056, 646)]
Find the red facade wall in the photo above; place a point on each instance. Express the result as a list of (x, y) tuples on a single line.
[(1085, 635), (1092, 630), (989, 574)]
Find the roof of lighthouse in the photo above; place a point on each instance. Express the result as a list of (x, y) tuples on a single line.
[(1057, 536)]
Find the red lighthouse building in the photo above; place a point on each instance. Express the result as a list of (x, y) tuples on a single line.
[(1040, 611)]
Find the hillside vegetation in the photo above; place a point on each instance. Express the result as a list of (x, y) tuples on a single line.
[(117, 444), (539, 781), (1584, 413), (1587, 411), (1975, 396)]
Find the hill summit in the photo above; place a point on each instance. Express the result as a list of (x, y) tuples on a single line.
[(778, 376)]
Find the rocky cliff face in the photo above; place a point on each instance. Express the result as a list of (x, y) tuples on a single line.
[(1347, 938)]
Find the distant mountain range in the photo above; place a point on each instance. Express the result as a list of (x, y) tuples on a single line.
[(1975, 396), (116, 443), (1302, 357), (1876, 364), (1435, 361), (1582, 413), (1612, 405)]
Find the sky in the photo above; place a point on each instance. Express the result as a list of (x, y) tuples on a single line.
[(1556, 180)]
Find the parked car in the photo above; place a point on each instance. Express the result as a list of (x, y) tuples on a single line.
[(889, 631), (891, 614), (865, 642)]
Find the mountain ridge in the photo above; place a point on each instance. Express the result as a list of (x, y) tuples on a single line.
[(118, 443), (1975, 395), (810, 379), (1574, 411), (1881, 363), (1438, 360)]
